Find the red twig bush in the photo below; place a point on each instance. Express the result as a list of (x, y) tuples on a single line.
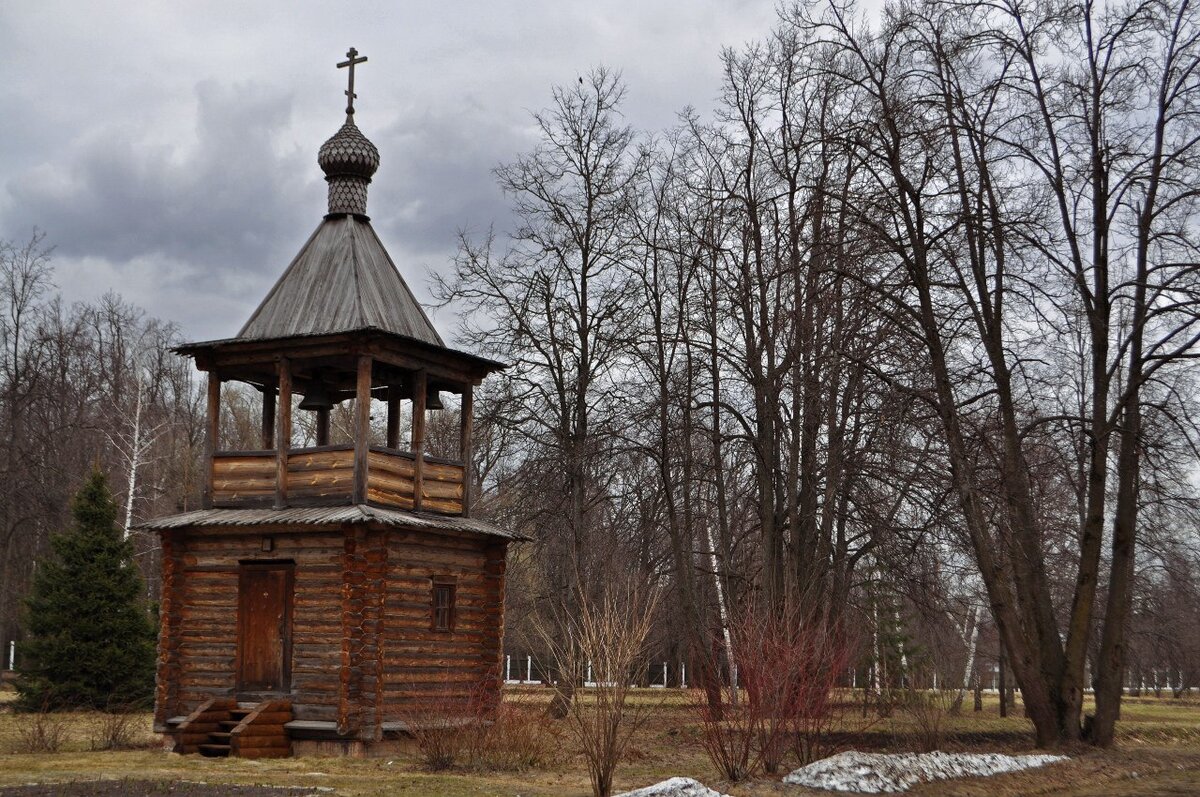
[(788, 664)]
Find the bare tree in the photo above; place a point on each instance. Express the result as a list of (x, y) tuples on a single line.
[(604, 644), (555, 304), (1017, 189)]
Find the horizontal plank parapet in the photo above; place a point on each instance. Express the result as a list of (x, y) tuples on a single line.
[(320, 460), (324, 476), (390, 477), (242, 477)]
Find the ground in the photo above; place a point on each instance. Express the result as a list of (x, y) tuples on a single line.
[(1158, 753)]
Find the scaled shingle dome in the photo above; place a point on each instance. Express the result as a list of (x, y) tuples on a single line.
[(349, 159), (348, 153)]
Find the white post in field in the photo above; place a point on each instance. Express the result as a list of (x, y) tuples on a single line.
[(507, 667), (664, 675), (12, 654), (683, 675), (529, 668)]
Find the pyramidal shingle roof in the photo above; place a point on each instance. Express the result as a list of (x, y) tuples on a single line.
[(342, 280)]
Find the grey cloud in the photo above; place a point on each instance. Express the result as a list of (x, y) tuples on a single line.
[(132, 138), (437, 177), (221, 201)]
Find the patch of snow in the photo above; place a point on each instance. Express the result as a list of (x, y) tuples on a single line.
[(675, 787), (876, 773)]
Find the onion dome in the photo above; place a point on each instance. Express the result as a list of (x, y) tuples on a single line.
[(349, 159)]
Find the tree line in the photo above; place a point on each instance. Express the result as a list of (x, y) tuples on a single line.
[(907, 325), (83, 386)]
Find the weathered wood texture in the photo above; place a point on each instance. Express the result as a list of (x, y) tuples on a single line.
[(361, 643), (323, 476), (465, 447), (204, 720), (342, 280), (283, 431), (206, 588), (326, 476), (423, 668), (170, 612), (364, 573), (420, 388), (212, 431), (261, 733), (264, 651), (362, 429), (244, 478), (391, 478)]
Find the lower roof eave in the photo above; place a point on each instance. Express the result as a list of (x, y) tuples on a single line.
[(329, 515)]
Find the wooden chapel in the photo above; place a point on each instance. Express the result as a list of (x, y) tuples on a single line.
[(325, 588)]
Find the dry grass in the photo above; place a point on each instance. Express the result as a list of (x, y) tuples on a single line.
[(1159, 741)]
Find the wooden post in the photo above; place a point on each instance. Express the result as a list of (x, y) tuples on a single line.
[(362, 428), (268, 418), (420, 386), (212, 432), (283, 432), (323, 427), (464, 447), (393, 416)]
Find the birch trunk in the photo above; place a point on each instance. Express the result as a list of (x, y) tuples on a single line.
[(972, 646), (135, 459)]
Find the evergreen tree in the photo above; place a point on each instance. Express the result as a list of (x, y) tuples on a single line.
[(90, 641)]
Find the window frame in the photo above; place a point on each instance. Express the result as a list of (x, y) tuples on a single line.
[(451, 587)]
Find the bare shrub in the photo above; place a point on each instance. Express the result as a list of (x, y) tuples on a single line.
[(928, 712), (41, 732), (727, 734), (609, 634), (116, 729), (789, 665), (516, 739), (446, 721)]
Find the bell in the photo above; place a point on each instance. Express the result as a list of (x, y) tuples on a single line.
[(317, 398), (433, 400)]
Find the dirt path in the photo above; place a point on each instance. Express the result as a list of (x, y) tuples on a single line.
[(146, 788)]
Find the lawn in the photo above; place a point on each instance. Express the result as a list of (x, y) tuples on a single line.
[(1158, 753)]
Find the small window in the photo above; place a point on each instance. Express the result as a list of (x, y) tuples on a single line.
[(443, 606)]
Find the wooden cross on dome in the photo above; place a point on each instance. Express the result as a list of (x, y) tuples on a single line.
[(351, 59)]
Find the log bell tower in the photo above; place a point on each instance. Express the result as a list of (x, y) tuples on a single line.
[(330, 590)]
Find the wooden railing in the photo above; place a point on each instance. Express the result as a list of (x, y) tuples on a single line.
[(390, 476), (243, 478), (324, 476), (320, 475)]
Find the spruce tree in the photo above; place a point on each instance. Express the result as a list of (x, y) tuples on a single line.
[(89, 639)]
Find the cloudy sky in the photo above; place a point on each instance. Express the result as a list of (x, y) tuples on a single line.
[(168, 149)]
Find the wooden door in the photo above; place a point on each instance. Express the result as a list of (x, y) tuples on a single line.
[(264, 652)]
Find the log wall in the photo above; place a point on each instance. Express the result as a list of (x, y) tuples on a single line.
[(205, 588), (362, 644), (168, 674), (243, 478), (423, 667), (320, 476)]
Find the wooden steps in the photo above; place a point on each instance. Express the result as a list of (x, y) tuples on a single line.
[(221, 728)]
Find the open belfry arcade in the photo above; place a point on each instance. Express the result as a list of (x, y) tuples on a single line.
[(323, 590)]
